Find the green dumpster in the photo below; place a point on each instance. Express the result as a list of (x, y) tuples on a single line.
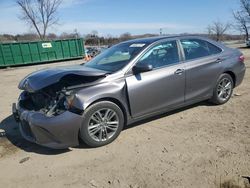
[(22, 53)]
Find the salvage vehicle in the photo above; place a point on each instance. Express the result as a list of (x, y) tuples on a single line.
[(128, 82)]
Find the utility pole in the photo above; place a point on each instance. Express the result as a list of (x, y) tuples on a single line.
[(76, 33)]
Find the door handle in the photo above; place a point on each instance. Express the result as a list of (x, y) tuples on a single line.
[(219, 60), (179, 71)]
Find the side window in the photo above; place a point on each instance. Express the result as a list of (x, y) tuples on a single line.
[(213, 49), (161, 55), (194, 48)]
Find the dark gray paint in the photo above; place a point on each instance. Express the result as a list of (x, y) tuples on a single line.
[(43, 78), (139, 96), (155, 90)]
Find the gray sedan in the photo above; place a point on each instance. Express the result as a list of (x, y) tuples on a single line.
[(128, 82)]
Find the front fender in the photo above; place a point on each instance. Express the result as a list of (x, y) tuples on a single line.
[(113, 90)]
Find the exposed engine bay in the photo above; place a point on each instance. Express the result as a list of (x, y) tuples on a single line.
[(55, 99), (44, 101)]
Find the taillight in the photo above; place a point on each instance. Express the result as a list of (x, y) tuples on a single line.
[(242, 58)]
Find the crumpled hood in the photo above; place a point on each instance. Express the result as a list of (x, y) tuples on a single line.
[(43, 78)]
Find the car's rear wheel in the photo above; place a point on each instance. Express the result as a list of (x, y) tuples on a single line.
[(102, 124), (223, 89)]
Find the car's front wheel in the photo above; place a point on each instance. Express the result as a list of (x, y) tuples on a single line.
[(223, 89), (102, 124)]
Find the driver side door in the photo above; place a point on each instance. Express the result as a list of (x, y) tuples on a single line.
[(160, 88)]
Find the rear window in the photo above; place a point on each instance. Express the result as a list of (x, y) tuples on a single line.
[(196, 48)]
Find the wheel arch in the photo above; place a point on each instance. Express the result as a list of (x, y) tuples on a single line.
[(115, 101), (109, 99)]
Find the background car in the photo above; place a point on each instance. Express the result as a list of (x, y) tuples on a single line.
[(248, 42)]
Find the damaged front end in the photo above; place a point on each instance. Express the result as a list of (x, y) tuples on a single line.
[(48, 115), (50, 101)]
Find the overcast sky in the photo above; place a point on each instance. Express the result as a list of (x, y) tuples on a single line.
[(118, 16)]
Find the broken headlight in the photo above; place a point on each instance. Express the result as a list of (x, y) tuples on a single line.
[(69, 104)]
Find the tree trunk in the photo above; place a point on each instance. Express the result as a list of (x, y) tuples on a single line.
[(246, 32)]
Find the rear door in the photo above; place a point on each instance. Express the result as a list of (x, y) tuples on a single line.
[(203, 67), (162, 87)]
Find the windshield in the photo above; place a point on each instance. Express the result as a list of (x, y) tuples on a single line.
[(116, 57)]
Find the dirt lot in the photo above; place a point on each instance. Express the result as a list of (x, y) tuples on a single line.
[(199, 146)]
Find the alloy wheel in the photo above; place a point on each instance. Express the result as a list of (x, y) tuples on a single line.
[(224, 89), (103, 124)]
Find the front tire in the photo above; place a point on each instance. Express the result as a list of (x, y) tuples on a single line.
[(223, 90), (102, 124)]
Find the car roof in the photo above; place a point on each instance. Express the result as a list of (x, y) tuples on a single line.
[(150, 40)]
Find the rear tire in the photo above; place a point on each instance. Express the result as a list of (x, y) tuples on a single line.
[(102, 124), (223, 89)]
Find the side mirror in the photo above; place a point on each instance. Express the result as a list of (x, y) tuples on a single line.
[(139, 68)]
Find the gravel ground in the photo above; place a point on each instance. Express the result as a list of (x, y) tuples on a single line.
[(198, 146)]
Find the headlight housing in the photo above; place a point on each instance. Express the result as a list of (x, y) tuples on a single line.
[(69, 104)]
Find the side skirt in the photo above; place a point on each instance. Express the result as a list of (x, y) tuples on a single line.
[(165, 110)]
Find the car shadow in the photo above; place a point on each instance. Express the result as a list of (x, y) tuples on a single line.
[(155, 117), (244, 47), (12, 132), (13, 135)]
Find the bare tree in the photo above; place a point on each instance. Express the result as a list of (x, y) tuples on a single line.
[(125, 36), (41, 14), (94, 33), (52, 36), (241, 23), (242, 17), (245, 6), (209, 30), (219, 29)]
